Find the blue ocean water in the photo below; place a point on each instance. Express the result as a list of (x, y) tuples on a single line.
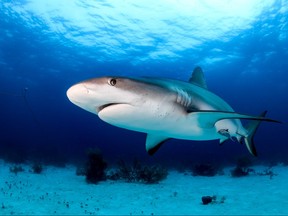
[(47, 46)]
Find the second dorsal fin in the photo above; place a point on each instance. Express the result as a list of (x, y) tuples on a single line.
[(198, 78)]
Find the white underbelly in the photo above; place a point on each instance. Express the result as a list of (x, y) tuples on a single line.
[(170, 122)]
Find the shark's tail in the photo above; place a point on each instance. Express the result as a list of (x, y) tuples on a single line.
[(252, 128)]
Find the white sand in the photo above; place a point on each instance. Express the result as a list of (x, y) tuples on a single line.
[(59, 191)]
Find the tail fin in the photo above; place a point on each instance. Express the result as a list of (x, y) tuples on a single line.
[(252, 128)]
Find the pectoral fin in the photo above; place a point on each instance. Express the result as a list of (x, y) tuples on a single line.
[(154, 142), (208, 118), (223, 140)]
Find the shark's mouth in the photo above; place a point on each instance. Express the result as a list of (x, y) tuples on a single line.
[(100, 108)]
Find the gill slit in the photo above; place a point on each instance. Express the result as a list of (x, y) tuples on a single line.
[(183, 98)]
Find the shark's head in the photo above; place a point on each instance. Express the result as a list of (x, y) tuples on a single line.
[(97, 94)]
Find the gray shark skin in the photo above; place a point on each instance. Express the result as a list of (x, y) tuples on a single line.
[(164, 109)]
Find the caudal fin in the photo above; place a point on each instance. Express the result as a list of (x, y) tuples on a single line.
[(252, 128)]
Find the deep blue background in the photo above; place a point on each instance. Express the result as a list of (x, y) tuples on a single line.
[(246, 65)]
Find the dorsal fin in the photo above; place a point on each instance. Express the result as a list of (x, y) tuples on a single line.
[(198, 78)]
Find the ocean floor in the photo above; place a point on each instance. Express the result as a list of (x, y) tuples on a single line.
[(59, 191)]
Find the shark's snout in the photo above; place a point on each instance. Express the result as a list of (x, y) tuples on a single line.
[(85, 96), (76, 92)]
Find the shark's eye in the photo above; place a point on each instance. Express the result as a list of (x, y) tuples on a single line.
[(112, 82)]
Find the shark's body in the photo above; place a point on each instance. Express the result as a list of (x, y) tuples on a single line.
[(164, 108)]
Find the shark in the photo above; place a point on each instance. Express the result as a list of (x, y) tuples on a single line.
[(165, 108)]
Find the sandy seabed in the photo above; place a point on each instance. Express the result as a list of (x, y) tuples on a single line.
[(58, 191)]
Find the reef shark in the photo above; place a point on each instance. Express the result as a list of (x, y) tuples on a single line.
[(165, 108)]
